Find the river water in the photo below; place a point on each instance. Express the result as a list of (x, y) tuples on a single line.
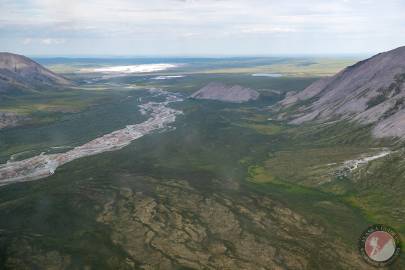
[(37, 167)]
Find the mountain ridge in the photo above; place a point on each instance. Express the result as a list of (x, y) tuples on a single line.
[(226, 93), (371, 91), (19, 73)]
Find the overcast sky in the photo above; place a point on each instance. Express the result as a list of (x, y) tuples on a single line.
[(200, 27)]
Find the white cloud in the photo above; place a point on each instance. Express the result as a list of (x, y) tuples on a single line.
[(43, 41), (157, 24), (263, 29), (52, 41), (27, 41)]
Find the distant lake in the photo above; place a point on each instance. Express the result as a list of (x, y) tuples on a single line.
[(273, 75)]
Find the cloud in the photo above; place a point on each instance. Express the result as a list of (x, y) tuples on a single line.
[(27, 41), (219, 24), (52, 41), (264, 29), (43, 41)]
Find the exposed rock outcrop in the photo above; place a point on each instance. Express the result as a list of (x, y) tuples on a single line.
[(226, 93), (371, 91), (19, 73), (9, 119)]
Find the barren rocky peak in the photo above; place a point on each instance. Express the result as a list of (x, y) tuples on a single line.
[(15, 62), (21, 72), (371, 91), (226, 93)]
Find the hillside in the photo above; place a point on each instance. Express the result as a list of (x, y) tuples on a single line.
[(369, 92), (226, 93), (19, 74)]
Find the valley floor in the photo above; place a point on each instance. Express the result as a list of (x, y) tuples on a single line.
[(227, 187)]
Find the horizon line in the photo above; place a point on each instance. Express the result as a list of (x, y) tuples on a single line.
[(106, 56)]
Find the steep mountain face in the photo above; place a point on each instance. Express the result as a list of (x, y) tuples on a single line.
[(19, 73), (226, 93), (371, 91)]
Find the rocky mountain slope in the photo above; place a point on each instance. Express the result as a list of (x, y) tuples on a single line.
[(369, 92), (226, 93), (19, 73)]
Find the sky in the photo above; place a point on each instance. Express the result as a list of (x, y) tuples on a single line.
[(200, 27)]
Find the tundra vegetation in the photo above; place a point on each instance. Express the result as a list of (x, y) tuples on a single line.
[(228, 187)]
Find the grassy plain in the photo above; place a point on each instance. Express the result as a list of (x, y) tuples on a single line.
[(316, 67)]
